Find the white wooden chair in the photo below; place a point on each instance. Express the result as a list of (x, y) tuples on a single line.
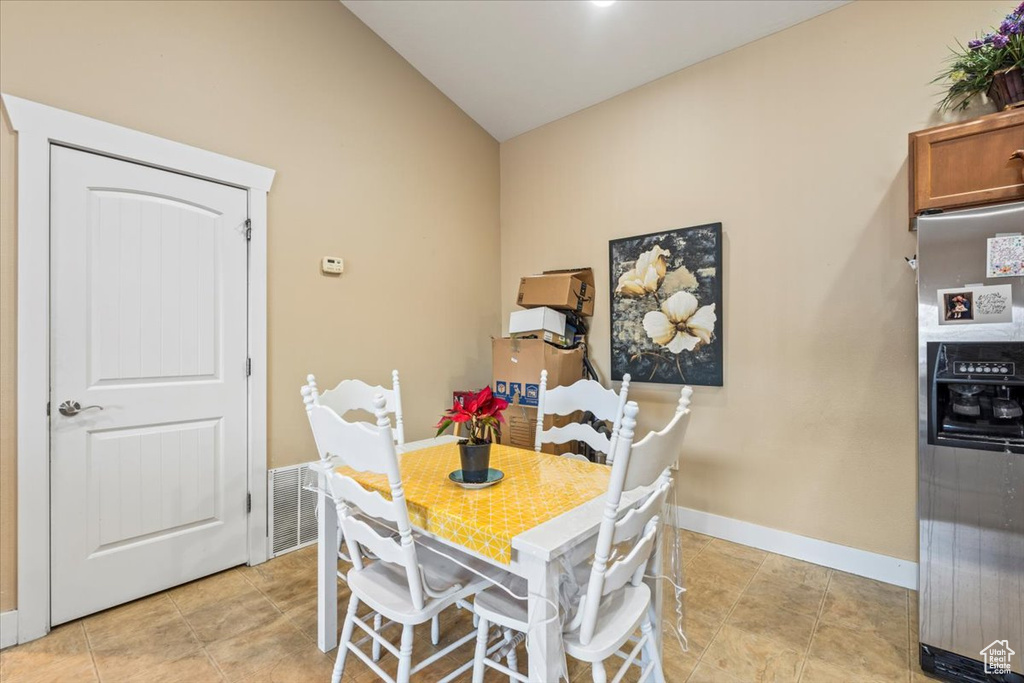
[(353, 394), (348, 396), (616, 602), (658, 451), (400, 585), (584, 395)]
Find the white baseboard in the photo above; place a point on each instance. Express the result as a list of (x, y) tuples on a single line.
[(8, 628), (860, 562)]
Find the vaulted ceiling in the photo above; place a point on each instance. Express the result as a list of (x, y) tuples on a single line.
[(514, 65)]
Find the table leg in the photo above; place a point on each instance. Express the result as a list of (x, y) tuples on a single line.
[(544, 639), (327, 571)]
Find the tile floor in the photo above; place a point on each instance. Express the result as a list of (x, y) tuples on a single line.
[(751, 616)]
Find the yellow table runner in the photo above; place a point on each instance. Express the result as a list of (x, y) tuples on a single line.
[(537, 487)]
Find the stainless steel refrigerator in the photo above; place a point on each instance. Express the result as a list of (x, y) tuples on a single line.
[(971, 444)]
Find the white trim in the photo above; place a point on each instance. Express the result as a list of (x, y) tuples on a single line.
[(124, 143), (852, 560), (8, 628), (38, 126), (259, 536)]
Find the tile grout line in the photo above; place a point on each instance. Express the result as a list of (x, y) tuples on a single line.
[(729, 614), (817, 620), (817, 617), (202, 645), (280, 612), (88, 646), (267, 597)]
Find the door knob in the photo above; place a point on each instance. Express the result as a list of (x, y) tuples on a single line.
[(70, 408)]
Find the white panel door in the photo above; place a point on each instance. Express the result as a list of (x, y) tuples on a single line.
[(148, 323)]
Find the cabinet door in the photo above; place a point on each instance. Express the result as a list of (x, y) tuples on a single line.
[(967, 164)]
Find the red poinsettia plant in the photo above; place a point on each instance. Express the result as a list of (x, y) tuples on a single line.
[(481, 412)]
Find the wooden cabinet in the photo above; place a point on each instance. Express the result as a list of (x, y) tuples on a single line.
[(967, 164)]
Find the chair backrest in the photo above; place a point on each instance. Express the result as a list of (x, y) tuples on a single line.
[(639, 525), (369, 448), (658, 451), (584, 395), (354, 394)]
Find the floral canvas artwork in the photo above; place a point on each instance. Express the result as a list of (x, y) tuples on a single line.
[(666, 306)]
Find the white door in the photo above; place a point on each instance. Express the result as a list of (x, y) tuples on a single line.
[(148, 321)]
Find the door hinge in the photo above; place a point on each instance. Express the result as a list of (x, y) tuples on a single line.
[(248, 502), (248, 367), (47, 409), (248, 228)]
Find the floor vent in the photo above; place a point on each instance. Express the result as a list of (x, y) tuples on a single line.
[(292, 510)]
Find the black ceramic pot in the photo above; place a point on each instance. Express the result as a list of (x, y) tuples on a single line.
[(476, 460)]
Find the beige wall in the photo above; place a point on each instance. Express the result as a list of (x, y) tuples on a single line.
[(798, 144), (373, 164)]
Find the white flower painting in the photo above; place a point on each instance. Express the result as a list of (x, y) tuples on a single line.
[(666, 306)]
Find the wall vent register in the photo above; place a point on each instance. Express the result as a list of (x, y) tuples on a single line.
[(292, 523)]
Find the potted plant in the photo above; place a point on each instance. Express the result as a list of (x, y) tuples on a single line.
[(481, 414), (992, 64)]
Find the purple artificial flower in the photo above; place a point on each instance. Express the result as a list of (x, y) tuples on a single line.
[(1020, 10), (989, 37), (1011, 25), (1000, 41), (975, 44)]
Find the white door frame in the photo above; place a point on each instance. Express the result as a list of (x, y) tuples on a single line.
[(38, 126)]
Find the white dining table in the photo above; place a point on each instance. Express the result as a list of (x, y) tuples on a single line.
[(537, 557)]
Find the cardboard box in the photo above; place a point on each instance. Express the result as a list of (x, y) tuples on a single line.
[(537, 320), (565, 290), (515, 371), (520, 430), (517, 363), (550, 337)]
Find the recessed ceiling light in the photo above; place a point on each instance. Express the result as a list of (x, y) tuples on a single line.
[(603, 3)]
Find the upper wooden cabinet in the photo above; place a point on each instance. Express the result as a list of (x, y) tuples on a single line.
[(967, 164)]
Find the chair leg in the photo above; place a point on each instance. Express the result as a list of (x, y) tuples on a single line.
[(378, 621), (597, 669), (346, 637), (405, 656), (511, 658), (652, 652), (482, 630), (435, 630)]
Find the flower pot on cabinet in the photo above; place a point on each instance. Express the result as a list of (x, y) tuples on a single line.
[(1007, 89)]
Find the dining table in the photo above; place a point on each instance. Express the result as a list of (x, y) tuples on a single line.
[(541, 518)]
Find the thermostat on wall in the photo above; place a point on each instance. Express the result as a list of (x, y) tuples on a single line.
[(332, 265)]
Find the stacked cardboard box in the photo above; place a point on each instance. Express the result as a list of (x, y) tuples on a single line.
[(563, 290), (516, 368), (539, 339)]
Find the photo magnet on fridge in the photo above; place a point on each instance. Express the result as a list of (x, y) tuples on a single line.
[(976, 305)]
